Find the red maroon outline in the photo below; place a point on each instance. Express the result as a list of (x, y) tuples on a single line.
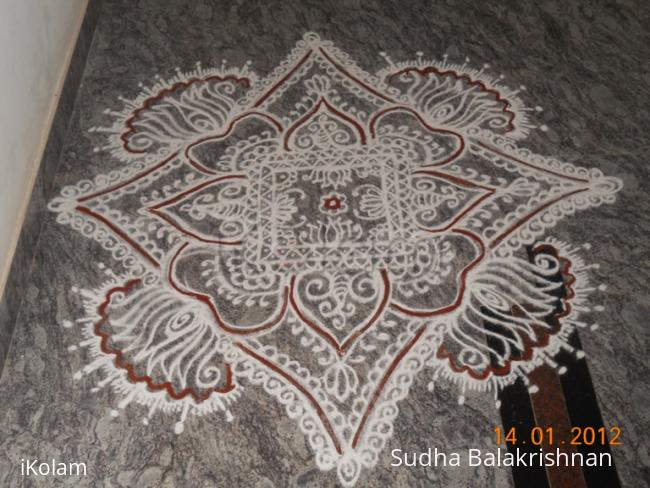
[(131, 180), (462, 77), (529, 345), (156, 210), (461, 147), (207, 300), (460, 182), (525, 163), (349, 341), (319, 410), (461, 291), (366, 87), (324, 54), (146, 105), (314, 110), (495, 241), (119, 232), (130, 370), (251, 113), (289, 74), (387, 374)]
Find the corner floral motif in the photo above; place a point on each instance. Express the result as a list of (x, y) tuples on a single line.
[(325, 234)]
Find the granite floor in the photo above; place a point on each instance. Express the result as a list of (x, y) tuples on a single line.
[(582, 69)]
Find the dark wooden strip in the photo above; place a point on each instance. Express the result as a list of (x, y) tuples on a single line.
[(516, 411), (582, 405), (550, 410)]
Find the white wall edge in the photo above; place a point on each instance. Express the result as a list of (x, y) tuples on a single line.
[(45, 133)]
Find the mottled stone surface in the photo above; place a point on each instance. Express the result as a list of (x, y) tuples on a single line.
[(584, 63), (21, 265)]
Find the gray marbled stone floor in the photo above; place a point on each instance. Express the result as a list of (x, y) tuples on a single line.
[(586, 63)]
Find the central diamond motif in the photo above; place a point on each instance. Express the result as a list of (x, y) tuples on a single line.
[(302, 221)]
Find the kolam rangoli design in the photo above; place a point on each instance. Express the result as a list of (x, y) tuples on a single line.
[(326, 234)]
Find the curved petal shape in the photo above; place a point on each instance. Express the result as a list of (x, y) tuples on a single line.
[(219, 152), (451, 99), (340, 305), (439, 201), (210, 212), (434, 281), (186, 109), (510, 316), (324, 126), (164, 341), (404, 128), (242, 300)]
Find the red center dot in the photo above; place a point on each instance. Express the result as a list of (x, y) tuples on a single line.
[(332, 203)]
